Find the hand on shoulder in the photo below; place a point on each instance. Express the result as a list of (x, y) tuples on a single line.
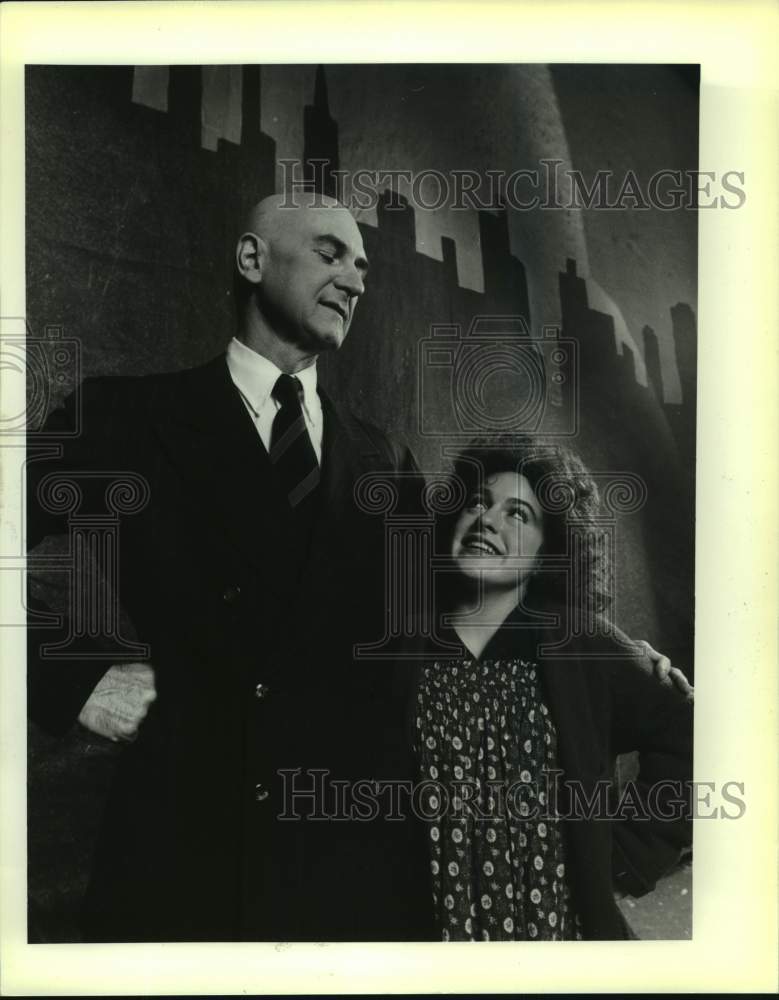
[(665, 672)]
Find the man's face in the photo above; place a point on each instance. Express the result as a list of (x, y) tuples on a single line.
[(499, 532), (313, 275)]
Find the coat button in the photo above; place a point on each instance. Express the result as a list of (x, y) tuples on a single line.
[(261, 691), (260, 793), (231, 595)]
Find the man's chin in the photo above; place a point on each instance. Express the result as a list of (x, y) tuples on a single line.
[(328, 340)]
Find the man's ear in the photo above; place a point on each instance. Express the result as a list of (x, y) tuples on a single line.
[(250, 256)]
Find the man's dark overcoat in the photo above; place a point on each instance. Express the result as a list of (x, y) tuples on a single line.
[(250, 619)]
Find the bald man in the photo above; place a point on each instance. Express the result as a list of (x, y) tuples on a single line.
[(303, 269), (246, 574)]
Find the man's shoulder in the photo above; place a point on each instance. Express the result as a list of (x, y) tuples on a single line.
[(389, 449), (120, 406), (146, 389)]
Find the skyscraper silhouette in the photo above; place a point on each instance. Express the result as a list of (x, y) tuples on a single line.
[(320, 140), (652, 361)]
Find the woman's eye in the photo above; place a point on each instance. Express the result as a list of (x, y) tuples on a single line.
[(520, 514), (326, 256)]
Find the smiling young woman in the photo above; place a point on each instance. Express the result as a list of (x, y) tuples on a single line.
[(497, 727)]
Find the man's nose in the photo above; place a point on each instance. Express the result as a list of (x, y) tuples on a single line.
[(350, 280)]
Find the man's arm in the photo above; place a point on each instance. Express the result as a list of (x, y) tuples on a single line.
[(109, 700)]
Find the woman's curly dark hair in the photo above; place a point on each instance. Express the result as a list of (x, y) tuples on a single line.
[(568, 497)]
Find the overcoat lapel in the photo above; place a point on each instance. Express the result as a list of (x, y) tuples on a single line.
[(335, 547), (211, 440), (342, 463)]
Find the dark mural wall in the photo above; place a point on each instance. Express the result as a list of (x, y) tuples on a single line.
[(131, 224)]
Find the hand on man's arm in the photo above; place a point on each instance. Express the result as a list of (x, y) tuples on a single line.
[(120, 701)]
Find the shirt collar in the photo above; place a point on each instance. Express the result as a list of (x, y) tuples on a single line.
[(255, 376)]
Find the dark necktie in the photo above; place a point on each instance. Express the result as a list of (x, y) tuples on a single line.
[(291, 451)]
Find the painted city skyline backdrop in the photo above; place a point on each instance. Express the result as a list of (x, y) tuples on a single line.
[(637, 264)]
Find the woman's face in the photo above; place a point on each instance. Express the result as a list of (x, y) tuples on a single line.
[(499, 532)]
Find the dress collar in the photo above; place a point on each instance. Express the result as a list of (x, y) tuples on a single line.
[(515, 637)]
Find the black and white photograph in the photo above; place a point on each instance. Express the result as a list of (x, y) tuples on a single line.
[(359, 481)]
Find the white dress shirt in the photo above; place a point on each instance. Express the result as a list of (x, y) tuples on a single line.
[(255, 376)]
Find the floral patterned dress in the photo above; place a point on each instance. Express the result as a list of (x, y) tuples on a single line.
[(485, 742)]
